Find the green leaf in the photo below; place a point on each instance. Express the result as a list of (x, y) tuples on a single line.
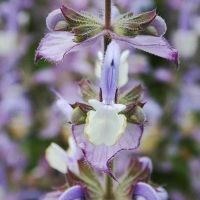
[(131, 25)]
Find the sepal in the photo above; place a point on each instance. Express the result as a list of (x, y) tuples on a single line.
[(79, 113), (135, 173), (87, 91), (138, 116), (82, 24), (132, 96), (88, 179), (130, 25), (135, 114)]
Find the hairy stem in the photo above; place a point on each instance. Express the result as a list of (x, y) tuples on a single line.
[(107, 14), (107, 39), (108, 179)]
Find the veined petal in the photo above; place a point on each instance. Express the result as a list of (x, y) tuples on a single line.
[(73, 151), (54, 19), (110, 73), (52, 195), (65, 108), (75, 192), (146, 163), (162, 193), (100, 156), (146, 191), (158, 26), (57, 158), (123, 67), (62, 160), (54, 46), (73, 154), (105, 126), (155, 45)]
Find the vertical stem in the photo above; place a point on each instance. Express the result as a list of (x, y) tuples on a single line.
[(109, 187), (107, 13), (107, 22), (108, 180)]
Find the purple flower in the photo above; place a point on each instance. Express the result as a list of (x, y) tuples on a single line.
[(107, 129), (71, 30), (72, 193), (146, 191), (133, 183)]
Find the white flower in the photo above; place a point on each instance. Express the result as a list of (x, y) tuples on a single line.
[(105, 125), (62, 160)]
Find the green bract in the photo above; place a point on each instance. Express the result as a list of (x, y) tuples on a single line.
[(131, 25), (83, 25)]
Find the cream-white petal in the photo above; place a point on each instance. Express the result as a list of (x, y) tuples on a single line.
[(123, 69), (104, 126), (97, 105), (57, 158)]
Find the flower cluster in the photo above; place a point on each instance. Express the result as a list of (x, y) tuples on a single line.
[(109, 119)]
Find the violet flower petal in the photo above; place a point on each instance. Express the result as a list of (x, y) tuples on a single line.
[(53, 18), (100, 156), (52, 195), (155, 45), (110, 73), (54, 46), (159, 24), (73, 193), (146, 191), (146, 163)]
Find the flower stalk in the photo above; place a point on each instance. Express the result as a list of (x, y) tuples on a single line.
[(109, 187), (107, 39), (107, 14), (108, 179)]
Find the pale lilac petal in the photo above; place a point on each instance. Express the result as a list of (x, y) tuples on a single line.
[(155, 45), (146, 191), (65, 108), (75, 192), (45, 76), (146, 163), (99, 156), (115, 13), (160, 25), (110, 73), (54, 46), (162, 193), (53, 18), (52, 195)]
